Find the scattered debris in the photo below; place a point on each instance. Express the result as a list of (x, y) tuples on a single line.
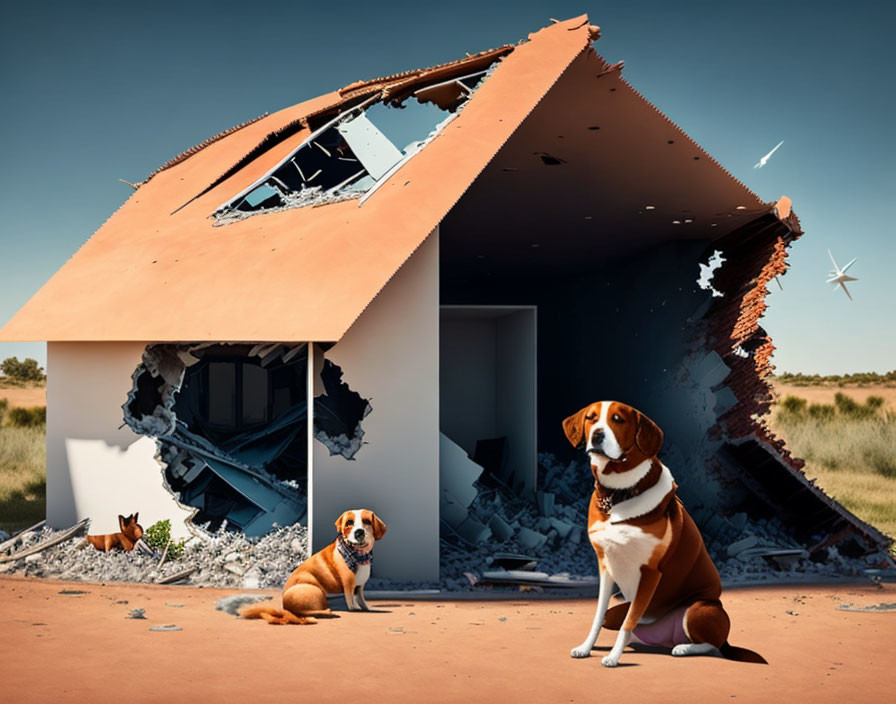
[(867, 609), (170, 627), (73, 592), (265, 562), (136, 613), (48, 543)]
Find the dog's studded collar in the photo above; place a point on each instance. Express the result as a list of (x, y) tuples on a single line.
[(607, 501), (352, 558)]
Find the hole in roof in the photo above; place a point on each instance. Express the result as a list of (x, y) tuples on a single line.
[(549, 160), (356, 151), (594, 128)]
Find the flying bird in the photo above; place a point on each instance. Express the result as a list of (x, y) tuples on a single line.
[(839, 276), (764, 160)]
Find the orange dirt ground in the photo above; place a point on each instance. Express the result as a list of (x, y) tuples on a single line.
[(81, 648), (27, 398)]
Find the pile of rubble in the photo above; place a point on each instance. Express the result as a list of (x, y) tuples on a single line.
[(223, 559), (542, 545)]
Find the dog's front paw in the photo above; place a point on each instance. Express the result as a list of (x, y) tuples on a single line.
[(583, 651), (610, 660)]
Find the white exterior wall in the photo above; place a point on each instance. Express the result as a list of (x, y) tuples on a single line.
[(95, 469), (390, 356)]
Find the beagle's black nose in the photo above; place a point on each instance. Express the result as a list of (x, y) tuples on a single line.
[(359, 533), (597, 436)]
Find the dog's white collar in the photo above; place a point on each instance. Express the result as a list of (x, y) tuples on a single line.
[(644, 502)]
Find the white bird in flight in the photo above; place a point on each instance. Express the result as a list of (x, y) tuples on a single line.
[(764, 160), (839, 276)]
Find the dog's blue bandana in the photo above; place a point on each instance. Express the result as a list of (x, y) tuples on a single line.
[(352, 559)]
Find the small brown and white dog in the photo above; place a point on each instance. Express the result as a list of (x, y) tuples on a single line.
[(647, 543), (343, 567), (130, 534)]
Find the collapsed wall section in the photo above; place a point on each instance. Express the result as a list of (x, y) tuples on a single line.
[(230, 421)]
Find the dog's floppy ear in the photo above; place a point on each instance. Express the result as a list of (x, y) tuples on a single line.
[(339, 522), (379, 528), (648, 437), (574, 427)]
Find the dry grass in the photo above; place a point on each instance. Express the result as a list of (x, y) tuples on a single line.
[(825, 394), (22, 394), (23, 477), (849, 448)]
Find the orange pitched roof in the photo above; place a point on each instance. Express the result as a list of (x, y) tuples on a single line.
[(159, 270)]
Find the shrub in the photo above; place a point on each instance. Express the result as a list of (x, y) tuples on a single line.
[(822, 411), (4, 406), (26, 417), (27, 370), (158, 535), (793, 405)]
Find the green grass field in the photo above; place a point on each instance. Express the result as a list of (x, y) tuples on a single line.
[(23, 476), (849, 448)]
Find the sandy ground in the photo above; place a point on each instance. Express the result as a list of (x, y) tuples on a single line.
[(26, 398), (80, 647), (825, 394)]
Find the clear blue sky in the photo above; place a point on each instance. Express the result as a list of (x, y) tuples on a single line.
[(96, 91)]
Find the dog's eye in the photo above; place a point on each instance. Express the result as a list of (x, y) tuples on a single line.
[(350, 522), (365, 522), (618, 418), (591, 416)]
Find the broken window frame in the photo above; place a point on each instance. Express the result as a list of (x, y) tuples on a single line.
[(289, 197)]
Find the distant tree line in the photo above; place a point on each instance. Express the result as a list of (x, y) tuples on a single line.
[(26, 370), (861, 378)]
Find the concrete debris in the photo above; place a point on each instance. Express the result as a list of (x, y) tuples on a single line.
[(744, 548), (309, 197), (739, 546), (169, 627), (867, 609), (264, 562), (29, 553), (136, 613)]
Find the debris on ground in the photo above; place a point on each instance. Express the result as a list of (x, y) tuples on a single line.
[(221, 559), (169, 627), (867, 609), (136, 613)]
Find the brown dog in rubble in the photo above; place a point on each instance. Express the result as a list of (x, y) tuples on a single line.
[(130, 533), (343, 567), (646, 543)]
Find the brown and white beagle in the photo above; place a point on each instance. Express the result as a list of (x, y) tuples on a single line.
[(343, 567), (646, 543)]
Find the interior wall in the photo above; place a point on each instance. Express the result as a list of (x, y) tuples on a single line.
[(628, 331), (390, 356), (95, 468), (517, 374), (467, 370), (488, 384)]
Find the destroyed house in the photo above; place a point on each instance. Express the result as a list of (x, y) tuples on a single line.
[(305, 314)]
